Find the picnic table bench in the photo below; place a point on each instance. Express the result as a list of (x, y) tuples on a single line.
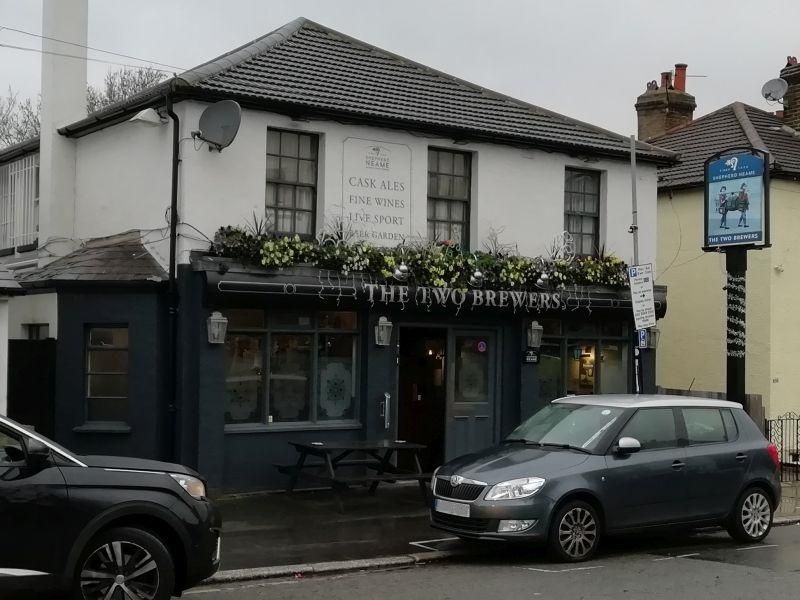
[(376, 456)]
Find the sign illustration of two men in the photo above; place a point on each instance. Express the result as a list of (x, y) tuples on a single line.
[(728, 202)]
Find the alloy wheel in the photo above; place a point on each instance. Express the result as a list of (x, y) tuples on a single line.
[(577, 532), (119, 570), (755, 514)]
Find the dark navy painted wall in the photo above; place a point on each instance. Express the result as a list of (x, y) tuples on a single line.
[(144, 313)]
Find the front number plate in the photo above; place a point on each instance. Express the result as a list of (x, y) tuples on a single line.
[(452, 508)]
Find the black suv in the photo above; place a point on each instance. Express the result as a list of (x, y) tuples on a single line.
[(100, 526), (587, 466)]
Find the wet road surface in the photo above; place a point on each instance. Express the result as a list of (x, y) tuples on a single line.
[(706, 565)]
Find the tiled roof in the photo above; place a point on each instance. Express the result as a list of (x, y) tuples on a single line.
[(10, 153), (8, 285), (734, 125), (318, 70), (120, 258)]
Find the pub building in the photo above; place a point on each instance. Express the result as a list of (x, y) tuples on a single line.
[(224, 365)]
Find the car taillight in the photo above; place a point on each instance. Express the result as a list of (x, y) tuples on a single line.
[(772, 449)]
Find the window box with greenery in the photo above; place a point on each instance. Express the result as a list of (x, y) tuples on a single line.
[(291, 370)]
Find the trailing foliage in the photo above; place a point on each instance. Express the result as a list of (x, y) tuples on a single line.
[(423, 264)]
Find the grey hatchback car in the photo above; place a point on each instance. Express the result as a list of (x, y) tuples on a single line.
[(586, 466)]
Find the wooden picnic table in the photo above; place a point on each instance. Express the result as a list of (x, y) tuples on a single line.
[(376, 456)]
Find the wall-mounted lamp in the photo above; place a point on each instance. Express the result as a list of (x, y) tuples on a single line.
[(217, 325), (383, 332), (535, 332)]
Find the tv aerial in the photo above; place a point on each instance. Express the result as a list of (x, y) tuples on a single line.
[(219, 124), (774, 90)]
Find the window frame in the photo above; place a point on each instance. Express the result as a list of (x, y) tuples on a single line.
[(583, 214), (87, 422), (467, 202), (316, 331), (268, 209), (679, 429)]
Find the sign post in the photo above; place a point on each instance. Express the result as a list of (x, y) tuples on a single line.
[(736, 184), (640, 278)]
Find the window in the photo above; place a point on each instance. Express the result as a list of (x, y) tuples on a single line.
[(36, 331), (653, 427), (107, 374), (575, 424), (582, 209), (704, 425), (291, 367), (731, 429), (11, 451), (449, 175), (291, 182)]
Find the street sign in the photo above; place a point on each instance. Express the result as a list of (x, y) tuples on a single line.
[(642, 338), (641, 283)]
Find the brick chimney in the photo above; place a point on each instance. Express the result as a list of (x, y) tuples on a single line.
[(664, 106), (791, 101)]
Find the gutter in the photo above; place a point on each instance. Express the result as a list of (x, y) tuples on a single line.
[(173, 298)]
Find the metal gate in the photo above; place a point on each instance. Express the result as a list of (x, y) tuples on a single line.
[(784, 432)]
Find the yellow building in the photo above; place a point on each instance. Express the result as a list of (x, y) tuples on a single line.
[(692, 347)]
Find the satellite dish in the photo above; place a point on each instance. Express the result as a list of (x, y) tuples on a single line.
[(774, 90), (219, 124)]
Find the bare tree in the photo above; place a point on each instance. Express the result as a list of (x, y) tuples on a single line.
[(121, 84), (19, 119)]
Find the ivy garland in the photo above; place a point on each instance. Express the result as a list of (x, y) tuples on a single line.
[(423, 264)]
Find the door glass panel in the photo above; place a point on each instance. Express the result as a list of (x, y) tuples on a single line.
[(704, 425), (614, 377), (551, 373), (581, 374), (472, 369), (653, 427)]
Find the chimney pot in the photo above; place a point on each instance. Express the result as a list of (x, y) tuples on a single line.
[(666, 79), (680, 76)]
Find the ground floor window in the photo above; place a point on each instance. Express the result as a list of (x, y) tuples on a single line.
[(582, 357), (287, 368), (107, 374)]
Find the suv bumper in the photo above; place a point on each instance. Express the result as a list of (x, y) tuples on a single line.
[(204, 557)]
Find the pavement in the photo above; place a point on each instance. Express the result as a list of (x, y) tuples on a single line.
[(271, 534), (708, 565)]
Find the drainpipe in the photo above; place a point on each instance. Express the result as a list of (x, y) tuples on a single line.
[(173, 298)]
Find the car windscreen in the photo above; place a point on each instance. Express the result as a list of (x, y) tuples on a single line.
[(577, 425)]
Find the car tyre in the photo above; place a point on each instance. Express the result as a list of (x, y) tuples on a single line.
[(574, 532), (751, 519), (128, 559)]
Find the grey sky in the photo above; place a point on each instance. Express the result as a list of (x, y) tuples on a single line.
[(585, 58)]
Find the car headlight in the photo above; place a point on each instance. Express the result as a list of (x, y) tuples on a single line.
[(516, 488), (193, 486)]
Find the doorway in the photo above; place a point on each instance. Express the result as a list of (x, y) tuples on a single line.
[(422, 402)]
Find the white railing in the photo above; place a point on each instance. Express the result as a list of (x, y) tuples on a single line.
[(19, 202)]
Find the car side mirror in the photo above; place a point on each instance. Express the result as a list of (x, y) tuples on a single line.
[(37, 451), (627, 445)]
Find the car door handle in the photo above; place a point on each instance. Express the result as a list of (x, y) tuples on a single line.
[(678, 465), (740, 457)]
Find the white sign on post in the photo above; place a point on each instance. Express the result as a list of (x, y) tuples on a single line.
[(376, 191), (644, 308)]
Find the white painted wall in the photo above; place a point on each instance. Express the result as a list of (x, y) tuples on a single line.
[(3, 355), (518, 192), (34, 308), (123, 182)]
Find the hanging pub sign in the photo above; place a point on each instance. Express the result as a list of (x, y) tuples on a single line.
[(737, 199)]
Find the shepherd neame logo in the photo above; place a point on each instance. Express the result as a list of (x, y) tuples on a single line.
[(377, 157)]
